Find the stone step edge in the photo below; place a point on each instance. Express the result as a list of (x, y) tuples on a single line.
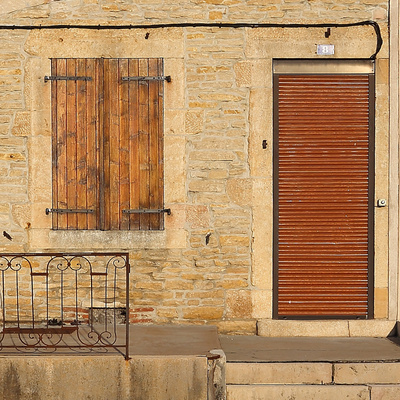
[(314, 392), (318, 373), (327, 328)]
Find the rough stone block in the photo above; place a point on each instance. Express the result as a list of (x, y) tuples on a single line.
[(381, 303), (385, 392), (15, 156), (166, 43), (260, 129), (380, 14), (174, 173), (367, 373), (371, 328), (261, 273), (174, 122), (239, 191), (206, 186), (194, 122), (22, 124), (21, 215), (216, 155), (198, 216), (174, 90), (203, 313), (176, 239), (382, 71), (327, 328), (262, 303), (9, 6), (241, 327), (232, 283), (243, 73), (214, 15), (177, 218), (234, 240), (178, 284), (238, 304)]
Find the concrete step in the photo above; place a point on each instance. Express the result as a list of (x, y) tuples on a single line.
[(260, 368), (313, 373), (311, 380), (312, 392), (326, 328)]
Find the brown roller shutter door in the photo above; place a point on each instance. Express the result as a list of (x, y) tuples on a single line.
[(323, 193)]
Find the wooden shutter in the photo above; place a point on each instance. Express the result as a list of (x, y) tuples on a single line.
[(323, 186), (107, 144), (75, 127), (133, 144)]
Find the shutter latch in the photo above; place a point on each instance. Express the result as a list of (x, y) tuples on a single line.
[(67, 78), (67, 211), (148, 211), (147, 78)]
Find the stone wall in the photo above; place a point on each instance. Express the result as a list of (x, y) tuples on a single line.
[(213, 262), (129, 11)]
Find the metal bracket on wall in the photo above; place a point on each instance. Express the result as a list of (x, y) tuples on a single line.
[(67, 210), (148, 211)]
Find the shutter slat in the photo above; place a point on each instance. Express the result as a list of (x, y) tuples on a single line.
[(71, 145), (323, 195), (114, 145), (124, 146), (55, 127), (81, 146), (102, 118), (144, 167), (160, 164), (153, 143), (92, 178), (61, 142), (134, 172), (106, 132)]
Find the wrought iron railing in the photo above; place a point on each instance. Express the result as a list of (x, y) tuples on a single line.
[(56, 301)]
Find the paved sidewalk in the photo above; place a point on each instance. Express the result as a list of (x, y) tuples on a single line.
[(174, 340), (200, 340)]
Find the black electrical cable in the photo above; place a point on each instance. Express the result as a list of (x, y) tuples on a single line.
[(375, 25)]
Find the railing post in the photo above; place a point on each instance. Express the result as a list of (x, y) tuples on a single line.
[(127, 268)]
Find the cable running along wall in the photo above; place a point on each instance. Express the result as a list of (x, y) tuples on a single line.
[(236, 25)]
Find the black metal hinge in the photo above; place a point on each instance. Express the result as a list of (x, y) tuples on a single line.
[(67, 78), (148, 211), (147, 78), (67, 210)]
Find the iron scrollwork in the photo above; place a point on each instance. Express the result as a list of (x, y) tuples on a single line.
[(53, 301)]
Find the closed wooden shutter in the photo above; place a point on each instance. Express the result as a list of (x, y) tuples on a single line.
[(107, 144), (75, 150), (133, 144), (323, 195)]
